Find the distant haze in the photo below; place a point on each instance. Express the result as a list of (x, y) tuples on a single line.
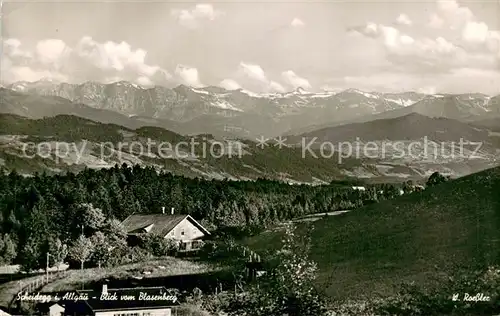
[(385, 46)]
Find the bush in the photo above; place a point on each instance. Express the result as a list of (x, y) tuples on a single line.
[(227, 252), (353, 308), (223, 233), (157, 245), (123, 254), (28, 307), (187, 309), (136, 254), (436, 178)]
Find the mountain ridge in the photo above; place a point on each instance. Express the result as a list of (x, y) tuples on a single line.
[(299, 90), (443, 144), (246, 114), (248, 161), (462, 107), (227, 108)]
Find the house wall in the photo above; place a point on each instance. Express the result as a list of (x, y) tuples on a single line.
[(138, 312), (191, 232), (56, 310)]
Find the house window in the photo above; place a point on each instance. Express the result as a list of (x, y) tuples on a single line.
[(182, 232), (182, 246)]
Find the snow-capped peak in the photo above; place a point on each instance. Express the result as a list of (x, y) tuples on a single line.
[(46, 79), (127, 84), (250, 93), (200, 91), (300, 90), (19, 86), (366, 94)]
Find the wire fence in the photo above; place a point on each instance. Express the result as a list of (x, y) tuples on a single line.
[(37, 283)]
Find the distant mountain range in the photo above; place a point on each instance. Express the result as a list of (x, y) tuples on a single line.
[(463, 107), (220, 111), (35, 107), (243, 116)]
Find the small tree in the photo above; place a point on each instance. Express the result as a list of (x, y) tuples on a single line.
[(115, 231), (7, 249), (289, 288), (93, 217), (81, 250), (101, 249), (31, 254), (59, 252), (294, 277)]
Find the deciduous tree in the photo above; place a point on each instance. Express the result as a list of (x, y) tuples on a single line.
[(81, 250)]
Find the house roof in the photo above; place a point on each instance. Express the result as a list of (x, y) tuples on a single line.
[(162, 223), (96, 304)]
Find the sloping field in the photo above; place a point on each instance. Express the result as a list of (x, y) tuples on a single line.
[(418, 237)]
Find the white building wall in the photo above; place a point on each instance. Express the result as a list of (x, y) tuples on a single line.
[(56, 310), (185, 230)]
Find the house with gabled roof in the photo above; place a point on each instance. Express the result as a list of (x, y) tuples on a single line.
[(179, 227)]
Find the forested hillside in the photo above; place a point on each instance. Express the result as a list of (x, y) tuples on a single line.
[(37, 210)]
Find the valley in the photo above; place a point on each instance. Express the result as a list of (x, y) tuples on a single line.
[(357, 188)]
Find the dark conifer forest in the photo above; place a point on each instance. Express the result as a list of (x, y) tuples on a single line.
[(37, 210)]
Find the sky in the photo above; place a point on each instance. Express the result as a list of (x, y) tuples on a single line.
[(259, 46)]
